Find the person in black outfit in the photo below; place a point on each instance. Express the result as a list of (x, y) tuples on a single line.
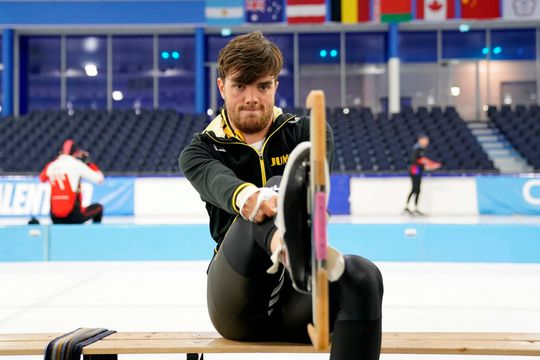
[(419, 162), (235, 164)]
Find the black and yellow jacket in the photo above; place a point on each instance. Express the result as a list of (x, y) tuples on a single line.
[(219, 164)]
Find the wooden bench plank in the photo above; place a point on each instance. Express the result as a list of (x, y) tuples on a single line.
[(32, 347), (27, 337), (219, 345), (210, 342), (213, 335), (462, 335), (471, 347), (389, 346)]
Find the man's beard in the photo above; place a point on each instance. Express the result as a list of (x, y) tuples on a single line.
[(250, 124)]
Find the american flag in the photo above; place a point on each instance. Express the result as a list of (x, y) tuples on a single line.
[(264, 11), (306, 11)]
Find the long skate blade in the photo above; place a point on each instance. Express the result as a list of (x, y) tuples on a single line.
[(319, 334), (319, 331)]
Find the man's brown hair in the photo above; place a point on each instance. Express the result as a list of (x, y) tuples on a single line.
[(249, 57)]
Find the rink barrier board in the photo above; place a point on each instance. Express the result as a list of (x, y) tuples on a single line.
[(491, 243)]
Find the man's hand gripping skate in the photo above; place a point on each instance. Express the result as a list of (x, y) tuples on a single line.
[(259, 204)]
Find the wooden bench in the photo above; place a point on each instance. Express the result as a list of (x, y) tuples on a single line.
[(193, 343)]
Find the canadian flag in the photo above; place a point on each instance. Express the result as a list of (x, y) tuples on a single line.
[(435, 10)]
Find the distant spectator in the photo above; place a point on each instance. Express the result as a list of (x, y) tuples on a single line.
[(65, 174), (419, 163)]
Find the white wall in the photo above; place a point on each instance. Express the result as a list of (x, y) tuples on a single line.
[(167, 197), (439, 196), (368, 196)]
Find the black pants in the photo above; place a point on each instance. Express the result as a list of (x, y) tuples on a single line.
[(416, 180), (80, 215), (246, 303)]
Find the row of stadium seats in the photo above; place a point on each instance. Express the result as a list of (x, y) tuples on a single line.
[(119, 142), (521, 127), (369, 143), (149, 142)]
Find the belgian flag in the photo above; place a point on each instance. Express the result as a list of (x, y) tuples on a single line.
[(350, 11)]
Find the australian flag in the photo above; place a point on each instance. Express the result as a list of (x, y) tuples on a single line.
[(264, 11)]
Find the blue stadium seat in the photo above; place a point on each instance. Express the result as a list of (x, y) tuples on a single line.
[(150, 142)]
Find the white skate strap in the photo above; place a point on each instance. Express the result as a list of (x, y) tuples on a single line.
[(264, 195), (276, 258), (335, 262), (243, 197)]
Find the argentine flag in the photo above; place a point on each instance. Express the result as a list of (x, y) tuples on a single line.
[(224, 12)]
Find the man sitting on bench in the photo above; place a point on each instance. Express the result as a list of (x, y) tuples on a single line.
[(235, 164)]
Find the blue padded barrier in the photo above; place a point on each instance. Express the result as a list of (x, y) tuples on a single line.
[(494, 243)]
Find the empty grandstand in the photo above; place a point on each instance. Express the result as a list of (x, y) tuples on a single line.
[(521, 127), (149, 142)]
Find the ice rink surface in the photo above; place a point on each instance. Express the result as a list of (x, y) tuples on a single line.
[(170, 296)]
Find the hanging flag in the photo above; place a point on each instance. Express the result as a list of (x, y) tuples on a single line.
[(396, 10), (376, 11), (306, 11), (351, 11), (480, 9), (435, 10), (264, 11), (224, 12), (335, 10), (521, 9)]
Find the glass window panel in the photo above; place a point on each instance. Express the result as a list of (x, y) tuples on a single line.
[(43, 72), (176, 72), (459, 87), (418, 46), (511, 83), (86, 72), (366, 47), (513, 44), (285, 92), (1, 79), (319, 49), (213, 98), (464, 45), (320, 66), (419, 83), (366, 82), (214, 44), (132, 72), (323, 77), (366, 85)]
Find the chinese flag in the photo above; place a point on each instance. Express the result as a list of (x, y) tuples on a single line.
[(480, 9)]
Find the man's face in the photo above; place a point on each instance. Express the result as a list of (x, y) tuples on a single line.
[(249, 107), (423, 141)]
